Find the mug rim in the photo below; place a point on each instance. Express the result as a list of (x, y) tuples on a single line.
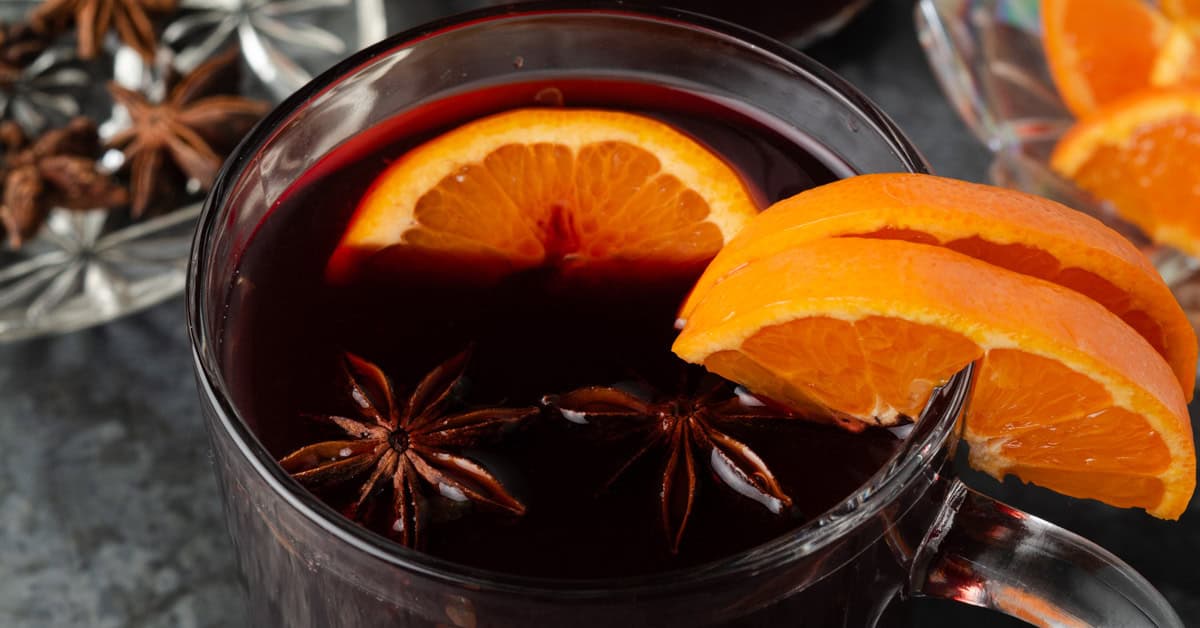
[(929, 434)]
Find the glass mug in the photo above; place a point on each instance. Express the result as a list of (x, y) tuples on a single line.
[(913, 529)]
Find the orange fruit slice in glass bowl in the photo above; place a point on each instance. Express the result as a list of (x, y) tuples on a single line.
[(579, 189), (1142, 154), (1101, 50), (1178, 62), (1068, 396), (1021, 232), (1181, 9)]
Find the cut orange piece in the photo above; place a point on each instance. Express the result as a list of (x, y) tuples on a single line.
[(1068, 395), (1100, 50), (578, 189), (1178, 62), (1021, 232), (1181, 9), (1142, 154)]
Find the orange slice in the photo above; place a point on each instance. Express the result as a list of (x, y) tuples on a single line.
[(1142, 154), (1181, 9), (1100, 50), (1178, 62), (579, 189), (1068, 395), (1021, 232)]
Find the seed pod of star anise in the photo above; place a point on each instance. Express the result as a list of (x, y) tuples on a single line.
[(12, 138), (78, 137), (20, 44), (58, 169), (22, 213)]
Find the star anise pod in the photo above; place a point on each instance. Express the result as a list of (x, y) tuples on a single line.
[(408, 444), (57, 170), (189, 132), (93, 19), (687, 428), (19, 45)]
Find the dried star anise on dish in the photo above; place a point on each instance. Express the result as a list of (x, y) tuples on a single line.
[(57, 170), (19, 45), (688, 428), (188, 132), (92, 20), (405, 444)]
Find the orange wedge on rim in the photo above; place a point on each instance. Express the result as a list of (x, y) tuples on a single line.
[(1101, 50), (1068, 396), (1021, 232), (578, 189), (1142, 154)]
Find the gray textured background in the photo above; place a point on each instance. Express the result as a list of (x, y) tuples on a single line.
[(109, 514)]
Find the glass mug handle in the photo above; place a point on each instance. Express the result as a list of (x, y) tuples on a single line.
[(985, 553)]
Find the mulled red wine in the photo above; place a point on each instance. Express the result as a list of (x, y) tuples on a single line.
[(537, 427)]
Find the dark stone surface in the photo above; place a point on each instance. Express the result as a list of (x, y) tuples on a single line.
[(109, 513)]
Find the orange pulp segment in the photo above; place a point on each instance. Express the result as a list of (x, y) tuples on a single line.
[(1178, 62), (575, 188), (1100, 50), (1142, 154), (1021, 232), (1068, 395)]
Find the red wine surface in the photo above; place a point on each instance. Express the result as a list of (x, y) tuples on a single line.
[(530, 337)]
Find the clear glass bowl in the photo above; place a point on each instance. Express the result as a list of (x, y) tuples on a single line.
[(283, 42), (987, 56), (88, 267)]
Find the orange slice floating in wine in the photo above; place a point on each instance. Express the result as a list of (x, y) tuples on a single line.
[(579, 189)]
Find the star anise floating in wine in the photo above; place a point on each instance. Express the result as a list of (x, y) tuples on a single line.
[(58, 169), (92, 19), (407, 445), (687, 429), (188, 132)]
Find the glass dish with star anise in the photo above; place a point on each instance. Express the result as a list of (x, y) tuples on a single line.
[(432, 306), (153, 95)]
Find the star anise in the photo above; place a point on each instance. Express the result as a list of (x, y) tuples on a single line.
[(94, 18), (19, 45), (188, 132), (57, 170), (688, 428), (405, 444)]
